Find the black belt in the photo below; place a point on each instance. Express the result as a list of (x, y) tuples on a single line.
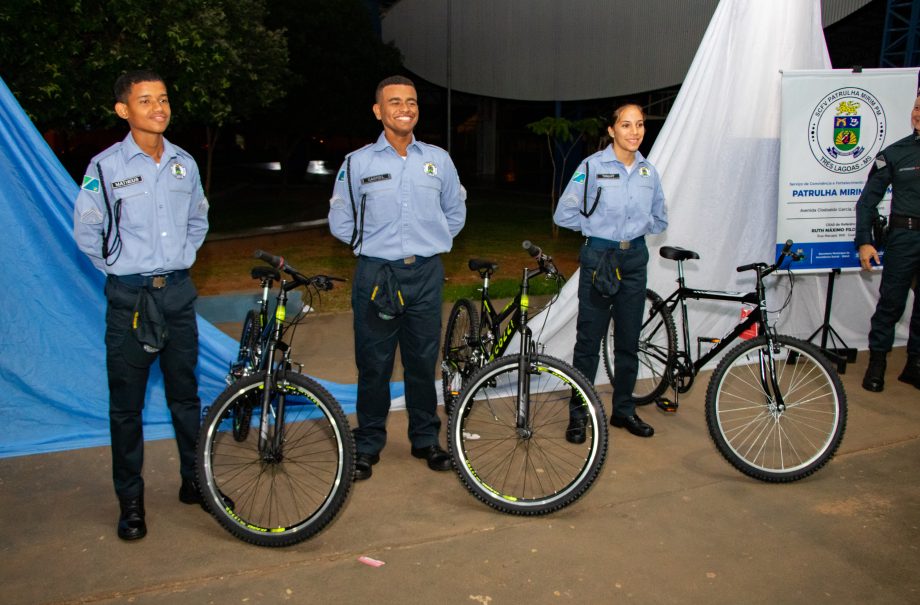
[(606, 244), (160, 280), (900, 221)]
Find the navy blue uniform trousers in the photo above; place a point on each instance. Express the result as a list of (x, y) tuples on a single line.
[(417, 332), (901, 268), (128, 380), (625, 307)]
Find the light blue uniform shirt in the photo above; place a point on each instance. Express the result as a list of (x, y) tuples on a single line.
[(164, 212), (629, 203), (413, 206)]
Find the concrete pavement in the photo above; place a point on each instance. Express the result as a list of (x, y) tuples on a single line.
[(668, 521)]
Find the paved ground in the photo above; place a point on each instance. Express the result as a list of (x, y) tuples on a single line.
[(668, 521)]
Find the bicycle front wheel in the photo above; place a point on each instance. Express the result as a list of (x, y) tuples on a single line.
[(657, 350), (776, 437), (283, 494), (456, 366), (530, 469)]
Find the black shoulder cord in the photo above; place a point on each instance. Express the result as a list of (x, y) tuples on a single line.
[(584, 202), (113, 218), (357, 233)]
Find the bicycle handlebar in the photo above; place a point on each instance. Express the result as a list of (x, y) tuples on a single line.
[(764, 269), (320, 282), (546, 262)]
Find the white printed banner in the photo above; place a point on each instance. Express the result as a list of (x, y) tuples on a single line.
[(834, 122)]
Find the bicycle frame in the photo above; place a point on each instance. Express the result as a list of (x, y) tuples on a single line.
[(758, 317)]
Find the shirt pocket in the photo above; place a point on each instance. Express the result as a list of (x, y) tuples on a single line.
[(180, 201), (380, 202), (427, 200), (136, 207)]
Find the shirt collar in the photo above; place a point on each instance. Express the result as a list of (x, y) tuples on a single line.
[(130, 149), (608, 155), (382, 143)]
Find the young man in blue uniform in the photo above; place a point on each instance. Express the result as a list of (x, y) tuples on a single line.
[(140, 217), (897, 165), (398, 203)]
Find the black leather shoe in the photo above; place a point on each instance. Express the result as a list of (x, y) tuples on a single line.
[(911, 372), (363, 464), (131, 525), (576, 431), (189, 493), (633, 424), (438, 459), (874, 380)]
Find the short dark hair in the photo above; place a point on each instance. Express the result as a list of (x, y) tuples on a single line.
[(126, 80), (391, 81)]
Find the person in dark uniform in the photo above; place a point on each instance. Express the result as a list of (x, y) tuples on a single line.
[(897, 165), (398, 203), (614, 199), (140, 217)]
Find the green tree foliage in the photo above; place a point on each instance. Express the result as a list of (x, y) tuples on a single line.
[(562, 135), (60, 58)]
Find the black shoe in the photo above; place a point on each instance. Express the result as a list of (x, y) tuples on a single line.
[(911, 373), (363, 464), (633, 424), (189, 493), (874, 380), (576, 431), (131, 525), (438, 459)]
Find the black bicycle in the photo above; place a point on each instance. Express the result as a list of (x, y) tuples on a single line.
[(508, 416), (775, 407), (283, 482), (255, 337)]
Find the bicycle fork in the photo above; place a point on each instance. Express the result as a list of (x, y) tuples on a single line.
[(524, 429)]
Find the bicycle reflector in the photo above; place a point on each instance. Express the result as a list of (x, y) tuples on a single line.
[(751, 332)]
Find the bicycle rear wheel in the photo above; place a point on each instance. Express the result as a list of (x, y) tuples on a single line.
[(754, 432), (281, 497), (657, 350), (532, 470), (456, 366)]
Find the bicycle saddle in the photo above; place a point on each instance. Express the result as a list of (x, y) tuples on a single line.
[(262, 271), (676, 253), (477, 263)]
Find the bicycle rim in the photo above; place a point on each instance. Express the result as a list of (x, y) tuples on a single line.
[(457, 354), (282, 497), (531, 474), (758, 436)]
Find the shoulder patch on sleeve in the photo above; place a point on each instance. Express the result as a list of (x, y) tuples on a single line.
[(578, 177), (91, 217), (90, 183), (880, 161)]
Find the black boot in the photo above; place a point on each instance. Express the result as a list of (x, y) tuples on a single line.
[(874, 380), (911, 373), (131, 525)]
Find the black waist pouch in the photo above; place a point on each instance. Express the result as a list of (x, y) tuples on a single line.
[(386, 297), (606, 277), (879, 231), (148, 331)]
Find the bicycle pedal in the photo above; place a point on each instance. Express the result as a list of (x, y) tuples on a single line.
[(666, 405)]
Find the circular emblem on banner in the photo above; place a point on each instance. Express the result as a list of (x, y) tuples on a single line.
[(846, 130)]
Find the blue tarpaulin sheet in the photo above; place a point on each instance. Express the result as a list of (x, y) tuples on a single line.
[(53, 386)]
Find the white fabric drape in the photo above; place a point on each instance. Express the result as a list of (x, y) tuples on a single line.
[(718, 156)]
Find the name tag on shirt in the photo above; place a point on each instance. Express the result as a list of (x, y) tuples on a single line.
[(129, 181), (615, 175), (375, 179)]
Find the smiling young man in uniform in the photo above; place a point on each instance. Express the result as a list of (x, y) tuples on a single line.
[(140, 217), (398, 203)]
